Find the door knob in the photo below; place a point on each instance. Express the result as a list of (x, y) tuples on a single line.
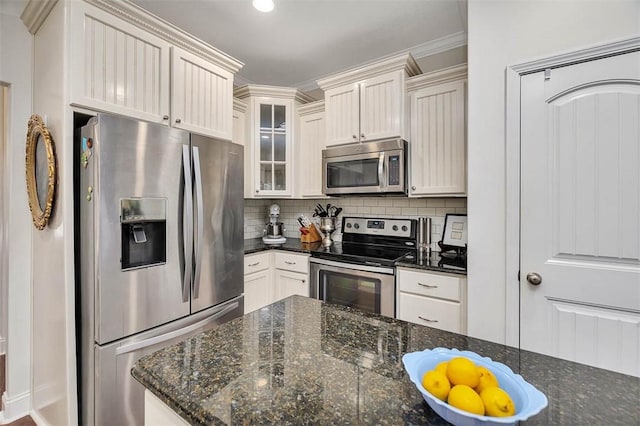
[(534, 278)]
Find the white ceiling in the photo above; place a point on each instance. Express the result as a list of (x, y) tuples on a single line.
[(303, 40)]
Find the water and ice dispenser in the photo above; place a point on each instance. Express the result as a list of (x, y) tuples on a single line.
[(144, 232)]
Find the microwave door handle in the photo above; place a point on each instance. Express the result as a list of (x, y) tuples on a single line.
[(381, 179)]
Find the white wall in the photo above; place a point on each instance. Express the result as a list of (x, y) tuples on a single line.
[(54, 388), (503, 33), (16, 45)]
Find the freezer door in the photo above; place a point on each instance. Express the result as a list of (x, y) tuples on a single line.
[(119, 398), (219, 221), (131, 162)]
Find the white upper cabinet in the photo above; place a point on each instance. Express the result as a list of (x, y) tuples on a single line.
[(269, 152), (239, 134), (310, 142), (201, 95), (369, 102), (438, 165), (343, 112), (117, 67), (136, 65)]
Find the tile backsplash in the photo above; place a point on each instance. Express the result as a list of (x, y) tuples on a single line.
[(256, 212)]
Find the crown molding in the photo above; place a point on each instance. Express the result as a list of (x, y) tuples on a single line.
[(403, 61), (240, 105), (35, 13), (139, 17), (259, 90), (311, 108), (439, 45), (445, 75)]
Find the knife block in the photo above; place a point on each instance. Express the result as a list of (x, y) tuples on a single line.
[(313, 235)]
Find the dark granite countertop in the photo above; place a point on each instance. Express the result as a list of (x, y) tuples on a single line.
[(255, 245), (433, 262), (301, 361)]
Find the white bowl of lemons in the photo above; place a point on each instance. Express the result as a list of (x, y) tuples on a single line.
[(465, 388)]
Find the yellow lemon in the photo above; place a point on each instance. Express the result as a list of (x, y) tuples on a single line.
[(442, 367), (465, 398), (497, 402), (487, 379), (462, 371), (436, 384)]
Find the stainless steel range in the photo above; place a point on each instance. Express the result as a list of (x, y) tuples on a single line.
[(360, 271)]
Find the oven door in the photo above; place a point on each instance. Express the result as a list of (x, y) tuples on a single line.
[(349, 174), (365, 287)]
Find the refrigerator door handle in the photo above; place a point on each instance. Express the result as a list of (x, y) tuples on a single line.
[(132, 347), (199, 234), (187, 222)]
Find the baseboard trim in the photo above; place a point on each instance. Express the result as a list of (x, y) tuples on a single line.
[(16, 408), (37, 418)]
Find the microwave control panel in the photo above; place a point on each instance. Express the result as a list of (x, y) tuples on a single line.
[(394, 170)]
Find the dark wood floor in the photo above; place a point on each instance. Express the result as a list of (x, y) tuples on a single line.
[(24, 421)]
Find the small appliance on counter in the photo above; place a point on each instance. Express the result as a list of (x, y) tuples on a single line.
[(274, 230)]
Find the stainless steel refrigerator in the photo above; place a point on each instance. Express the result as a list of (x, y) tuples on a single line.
[(161, 252)]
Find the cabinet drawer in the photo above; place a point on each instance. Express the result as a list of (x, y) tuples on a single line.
[(292, 262), (434, 313), (430, 284), (256, 262)]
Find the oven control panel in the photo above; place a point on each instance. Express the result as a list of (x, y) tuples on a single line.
[(383, 227)]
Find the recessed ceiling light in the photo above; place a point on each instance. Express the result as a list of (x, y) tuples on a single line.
[(263, 5)]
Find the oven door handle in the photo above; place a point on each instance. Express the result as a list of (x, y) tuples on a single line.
[(355, 267)]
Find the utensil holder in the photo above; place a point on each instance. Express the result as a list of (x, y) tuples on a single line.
[(327, 226)]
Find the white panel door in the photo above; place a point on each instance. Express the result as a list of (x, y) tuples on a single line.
[(201, 96), (580, 213), (117, 67), (438, 147), (309, 146), (381, 107), (343, 115)]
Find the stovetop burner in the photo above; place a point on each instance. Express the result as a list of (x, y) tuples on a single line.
[(372, 241)]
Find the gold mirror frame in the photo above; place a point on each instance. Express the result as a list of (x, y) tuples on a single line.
[(38, 133)]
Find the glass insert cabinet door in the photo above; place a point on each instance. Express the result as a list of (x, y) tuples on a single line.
[(273, 147)]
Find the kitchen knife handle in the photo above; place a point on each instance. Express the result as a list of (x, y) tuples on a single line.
[(199, 234), (187, 222)]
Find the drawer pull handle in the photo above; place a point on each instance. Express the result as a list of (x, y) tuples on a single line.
[(254, 264), (427, 319), (289, 263), (428, 285)]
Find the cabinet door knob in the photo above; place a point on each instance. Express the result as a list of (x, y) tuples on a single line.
[(413, 188), (362, 136), (165, 117), (257, 190), (355, 137), (178, 120)]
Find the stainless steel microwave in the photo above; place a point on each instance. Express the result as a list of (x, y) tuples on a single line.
[(367, 168)]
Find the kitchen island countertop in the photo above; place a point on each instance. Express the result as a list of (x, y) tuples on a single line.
[(301, 361)]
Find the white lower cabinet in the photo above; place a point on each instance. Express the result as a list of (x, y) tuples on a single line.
[(430, 298), (290, 283), (258, 290), (273, 275)]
